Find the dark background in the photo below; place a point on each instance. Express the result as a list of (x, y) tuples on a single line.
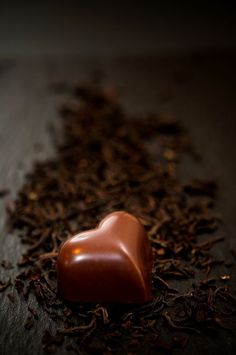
[(177, 58), (92, 28)]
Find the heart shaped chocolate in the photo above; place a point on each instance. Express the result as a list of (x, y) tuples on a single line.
[(111, 263)]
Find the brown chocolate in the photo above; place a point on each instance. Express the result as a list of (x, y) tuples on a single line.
[(111, 263)]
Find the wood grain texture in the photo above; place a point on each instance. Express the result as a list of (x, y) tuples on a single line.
[(199, 89)]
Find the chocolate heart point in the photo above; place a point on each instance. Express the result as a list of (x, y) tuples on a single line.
[(111, 263)]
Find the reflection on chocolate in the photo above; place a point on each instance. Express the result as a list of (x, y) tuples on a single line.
[(111, 263)]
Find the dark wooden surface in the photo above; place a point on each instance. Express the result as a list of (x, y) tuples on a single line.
[(198, 89)]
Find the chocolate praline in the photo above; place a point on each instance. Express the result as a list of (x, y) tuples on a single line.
[(111, 263)]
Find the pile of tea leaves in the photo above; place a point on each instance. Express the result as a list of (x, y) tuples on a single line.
[(107, 160)]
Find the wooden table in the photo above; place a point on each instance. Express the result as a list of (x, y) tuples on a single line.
[(199, 89)]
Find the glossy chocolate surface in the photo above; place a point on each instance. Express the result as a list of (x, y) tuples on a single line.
[(111, 263)]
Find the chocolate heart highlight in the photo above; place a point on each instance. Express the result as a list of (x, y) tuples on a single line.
[(111, 263)]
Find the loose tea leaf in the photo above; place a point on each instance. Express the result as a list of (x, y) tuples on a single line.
[(29, 323), (4, 192), (107, 160), (6, 264), (4, 285)]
